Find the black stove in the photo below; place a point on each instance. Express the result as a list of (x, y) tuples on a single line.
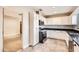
[(42, 36), (42, 33)]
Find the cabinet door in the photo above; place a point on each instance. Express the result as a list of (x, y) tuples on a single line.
[(1, 29), (74, 20), (76, 48), (77, 20)]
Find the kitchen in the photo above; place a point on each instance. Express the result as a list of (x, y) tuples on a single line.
[(62, 27), (45, 28)]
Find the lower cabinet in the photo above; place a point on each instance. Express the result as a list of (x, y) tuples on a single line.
[(73, 47), (76, 48)]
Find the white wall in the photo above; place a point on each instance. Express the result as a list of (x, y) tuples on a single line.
[(64, 20), (11, 27), (75, 12), (1, 29), (25, 25), (36, 29), (25, 35), (11, 23)]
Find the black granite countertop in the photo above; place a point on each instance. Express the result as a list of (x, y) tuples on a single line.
[(68, 29), (60, 28)]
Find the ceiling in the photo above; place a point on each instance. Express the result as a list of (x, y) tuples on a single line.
[(46, 10), (55, 10)]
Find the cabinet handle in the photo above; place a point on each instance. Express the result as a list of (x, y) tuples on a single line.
[(74, 44)]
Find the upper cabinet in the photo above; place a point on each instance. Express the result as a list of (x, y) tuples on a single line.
[(74, 19), (77, 20), (42, 18), (64, 20)]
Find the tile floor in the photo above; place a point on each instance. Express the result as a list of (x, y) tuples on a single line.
[(51, 45)]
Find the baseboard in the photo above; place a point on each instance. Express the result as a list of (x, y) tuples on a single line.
[(25, 46), (55, 39)]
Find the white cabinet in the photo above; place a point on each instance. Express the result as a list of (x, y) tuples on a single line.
[(65, 20), (58, 35), (76, 48), (74, 20)]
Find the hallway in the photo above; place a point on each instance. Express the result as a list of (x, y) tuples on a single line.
[(51, 45)]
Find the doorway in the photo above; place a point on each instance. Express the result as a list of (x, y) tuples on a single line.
[(12, 41)]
